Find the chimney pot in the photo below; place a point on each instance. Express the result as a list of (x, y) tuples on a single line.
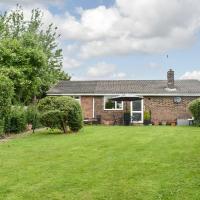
[(170, 79)]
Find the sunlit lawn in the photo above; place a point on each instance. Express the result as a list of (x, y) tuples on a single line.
[(118, 163)]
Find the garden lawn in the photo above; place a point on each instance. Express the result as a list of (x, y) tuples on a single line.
[(118, 163)]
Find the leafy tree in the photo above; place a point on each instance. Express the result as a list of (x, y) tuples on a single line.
[(6, 94), (61, 112), (32, 117), (194, 108), (29, 54)]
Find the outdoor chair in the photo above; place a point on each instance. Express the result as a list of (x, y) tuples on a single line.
[(114, 119)]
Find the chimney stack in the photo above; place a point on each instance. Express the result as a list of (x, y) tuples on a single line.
[(170, 79)]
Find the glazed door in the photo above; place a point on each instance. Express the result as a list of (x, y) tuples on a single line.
[(137, 111)]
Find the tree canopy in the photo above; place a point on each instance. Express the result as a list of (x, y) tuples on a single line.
[(29, 54), (6, 94)]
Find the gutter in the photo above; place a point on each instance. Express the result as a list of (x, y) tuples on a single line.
[(137, 94)]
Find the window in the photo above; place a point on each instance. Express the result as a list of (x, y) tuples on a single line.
[(112, 105), (78, 98)]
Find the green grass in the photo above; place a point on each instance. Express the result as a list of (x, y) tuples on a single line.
[(118, 163)]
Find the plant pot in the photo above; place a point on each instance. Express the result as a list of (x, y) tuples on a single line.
[(127, 119), (173, 123), (156, 123), (147, 122)]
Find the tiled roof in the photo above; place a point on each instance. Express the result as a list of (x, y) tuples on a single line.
[(148, 87)]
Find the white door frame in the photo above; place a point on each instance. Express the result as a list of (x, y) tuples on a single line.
[(142, 112)]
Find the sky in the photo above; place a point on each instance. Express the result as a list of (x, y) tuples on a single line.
[(123, 39)]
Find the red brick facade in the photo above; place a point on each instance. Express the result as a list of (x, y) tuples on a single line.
[(162, 109), (107, 116), (87, 106), (165, 109)]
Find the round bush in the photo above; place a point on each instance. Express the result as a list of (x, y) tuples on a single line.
[(61, 112), (52, 119), (194, 108), (75, 117), (15, 121)]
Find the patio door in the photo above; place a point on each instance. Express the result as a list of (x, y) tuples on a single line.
[(137, 111)]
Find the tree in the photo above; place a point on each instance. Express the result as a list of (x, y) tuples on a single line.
[(6, 94), (29, 54), (61, 112), (194, 108), (32, 117)]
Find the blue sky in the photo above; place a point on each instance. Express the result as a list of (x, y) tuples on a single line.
[(123, 39)]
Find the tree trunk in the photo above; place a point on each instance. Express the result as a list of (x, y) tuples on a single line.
[(34, 99), (64, 127)]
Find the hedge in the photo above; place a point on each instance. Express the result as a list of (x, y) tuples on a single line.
[(15, 121), (6, 95)]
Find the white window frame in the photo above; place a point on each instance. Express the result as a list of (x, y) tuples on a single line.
[(79, 98), (142, 112), (104, 104)]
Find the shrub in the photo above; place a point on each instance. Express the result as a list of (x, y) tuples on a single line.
[(53, 119), (15, 121), (6, 94), (61, 112), (32, 117), (1, 128), (147, 115), (75, 117), (194, 108)]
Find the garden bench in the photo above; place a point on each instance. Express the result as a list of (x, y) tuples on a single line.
[(96, 120)]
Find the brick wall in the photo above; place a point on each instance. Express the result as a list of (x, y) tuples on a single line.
[(165, 109), (162, 109), (87, 106), (107, 116)]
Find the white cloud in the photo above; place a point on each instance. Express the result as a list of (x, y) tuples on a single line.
[(69, 63), (128, 26), (120, 75), (134, 26), (101, 70), (154, 65), (146, 26), (191, 75)]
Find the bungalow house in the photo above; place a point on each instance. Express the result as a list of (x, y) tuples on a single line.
[(167, 100)]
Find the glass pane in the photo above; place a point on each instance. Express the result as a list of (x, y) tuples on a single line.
[(118, 104), (136, 117), (137, 106), (109, 104), (76, 97)]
